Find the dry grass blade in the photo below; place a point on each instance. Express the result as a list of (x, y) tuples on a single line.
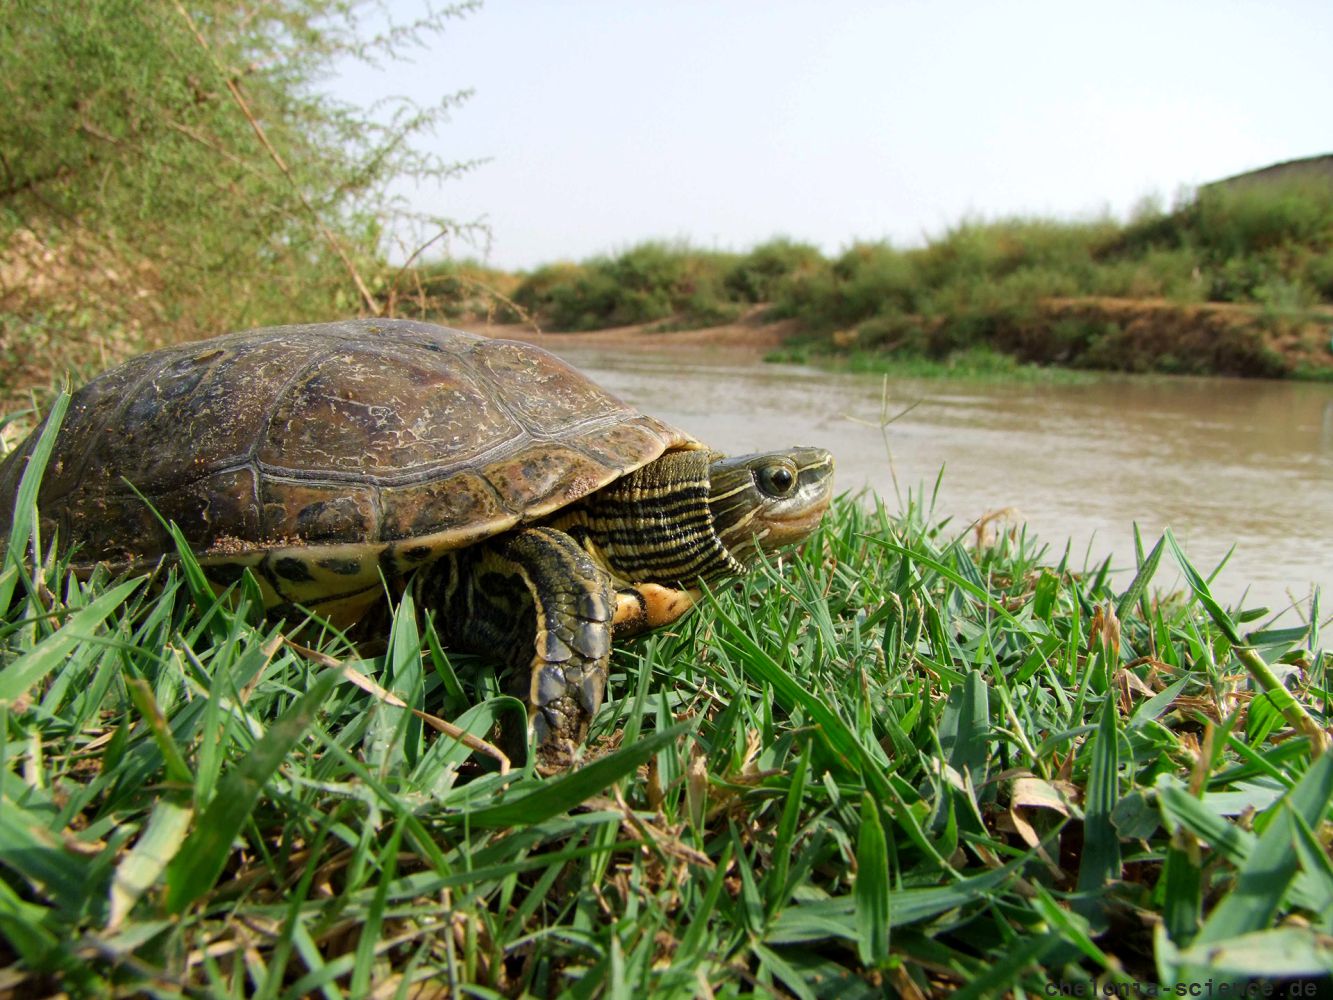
[(369, 686)]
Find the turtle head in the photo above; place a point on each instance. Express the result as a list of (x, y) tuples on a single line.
[(768, 500)]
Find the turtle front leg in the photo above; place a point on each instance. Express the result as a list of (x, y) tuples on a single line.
[(537, 600), (644, 606)]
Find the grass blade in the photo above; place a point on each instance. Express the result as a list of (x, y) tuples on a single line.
[(1280, 953), (1317, 873), (1262, 673), (1268, 871), (551, 798), (834, 731), (204, 854), (871, 890), (1101, 843), (17, 678), (370, 929), (142, 695), (785, 841), (836, 918), (157, 845), (23, 527), (22, 925), (998, 979), (28, 847), (1182, 905), (1137, 587), (965, 727)]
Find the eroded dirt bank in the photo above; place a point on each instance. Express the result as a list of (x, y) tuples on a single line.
[(1133, 335)]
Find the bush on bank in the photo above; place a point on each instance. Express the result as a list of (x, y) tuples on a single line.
[(171, 170), (1232, 281)]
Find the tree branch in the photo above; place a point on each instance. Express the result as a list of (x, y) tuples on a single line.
[(334, 243)]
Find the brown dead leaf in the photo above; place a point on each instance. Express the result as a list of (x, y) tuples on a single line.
[(1030, 793)]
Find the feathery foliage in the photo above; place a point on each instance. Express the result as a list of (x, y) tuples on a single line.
[(170, 168)]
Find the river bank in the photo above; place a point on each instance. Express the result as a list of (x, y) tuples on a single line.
[(1099, 334), (1227, 282), (1103, 333)]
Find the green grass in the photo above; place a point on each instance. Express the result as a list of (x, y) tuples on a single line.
[(893, 760)]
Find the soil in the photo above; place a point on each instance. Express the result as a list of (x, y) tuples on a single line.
[(750, 333)]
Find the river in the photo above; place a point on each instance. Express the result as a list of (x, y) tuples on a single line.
[(1223, 462)]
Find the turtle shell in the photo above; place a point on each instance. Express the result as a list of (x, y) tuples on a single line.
[(323, 456)]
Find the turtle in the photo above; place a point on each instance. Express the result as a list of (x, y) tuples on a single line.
[(533, 513)]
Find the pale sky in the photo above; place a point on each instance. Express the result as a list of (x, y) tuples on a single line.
[(726, 123)]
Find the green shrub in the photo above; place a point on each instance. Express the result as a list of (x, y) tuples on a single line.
[(758, 275), (1018, 290), (536, 288), (1229, 223), (1317, 271), (895, 332), (1240, 278), (806, 295), (876, 278), (974, 251), (597, 298), (866, 280), (1150, 228), (454, 290), (649, 282), (1154, 272)]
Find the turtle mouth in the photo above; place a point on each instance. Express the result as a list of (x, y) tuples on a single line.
[(785, 527)]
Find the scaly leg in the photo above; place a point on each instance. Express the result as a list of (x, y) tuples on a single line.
[(535, 599)]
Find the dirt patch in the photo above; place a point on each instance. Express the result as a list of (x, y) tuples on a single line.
[(751, 332), (69, 303)]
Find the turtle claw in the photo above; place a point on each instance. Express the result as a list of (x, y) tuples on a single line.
[(593, 640), (554, 753), (570, 691), (551, 685), (591, 689)]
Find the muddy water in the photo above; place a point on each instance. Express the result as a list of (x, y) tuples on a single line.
[(1223, 462)]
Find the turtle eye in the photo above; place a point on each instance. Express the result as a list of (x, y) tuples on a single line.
[(777, 480)]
